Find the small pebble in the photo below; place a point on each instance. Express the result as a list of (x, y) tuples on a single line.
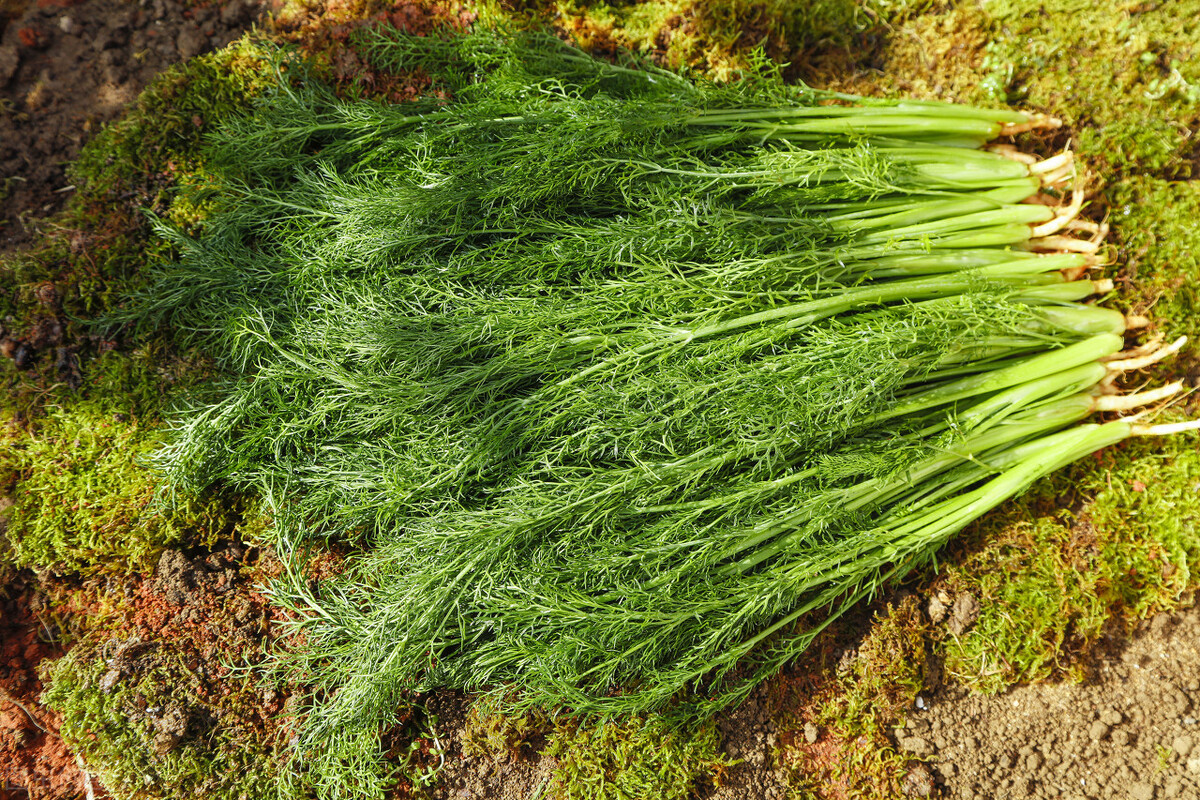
[(916, 745), (1141, 791)]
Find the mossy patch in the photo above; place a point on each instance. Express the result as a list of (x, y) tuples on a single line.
[(1051, 585), (849, 711), (1160, 249), (642, 757), (639, 758), (84, 496), (716, 39), (158, 136), (144, 732), (1126, 74), (1125, 77), (96, 251), (489, 730)]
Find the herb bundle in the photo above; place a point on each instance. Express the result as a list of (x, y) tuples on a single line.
[(626, 385)]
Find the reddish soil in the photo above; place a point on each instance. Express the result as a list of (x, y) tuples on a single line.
[(34, 761)]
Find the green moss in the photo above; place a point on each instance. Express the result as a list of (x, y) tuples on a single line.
[(84, 498), (642, 758), (884, 679), (1125, 74), (856, 709), (97, 249), (713, 37), (1146, 512), (1160, 249), (1037, 583), (157, 137), (109, 719), (639, 758), (490, 731), (1050, 584)]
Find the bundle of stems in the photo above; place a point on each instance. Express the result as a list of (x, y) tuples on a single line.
[(625, 385)]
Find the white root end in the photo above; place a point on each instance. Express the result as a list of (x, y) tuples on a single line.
[(1063, 217), (88, 788), (1059, 178), (1011, 152), (1129, 402), (1137, 321), (1038, 122), (1166, 429), (1053, 164), (1141, 362), (1062, 244), (1095, 228), (1104, 285), (1146, 347)]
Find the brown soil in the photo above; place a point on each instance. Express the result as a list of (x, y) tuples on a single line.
[(196, 618), (748, 736), (1131, 732), (67, 67), (509, 775)]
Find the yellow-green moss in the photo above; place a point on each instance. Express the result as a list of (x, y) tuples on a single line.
[(490, 731), (1037, 583), (855, 711), (84, 497), (1050, 584), (710, 37), (1160, 248), (107, 724), (1126, 74), (637, 758), (158, 135)]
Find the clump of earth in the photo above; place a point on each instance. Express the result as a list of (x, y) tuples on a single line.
[(1131, 731)]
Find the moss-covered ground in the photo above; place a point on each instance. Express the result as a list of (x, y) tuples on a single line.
[(1087, 552)]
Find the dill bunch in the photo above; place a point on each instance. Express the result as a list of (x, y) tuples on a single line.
[(624, 385)]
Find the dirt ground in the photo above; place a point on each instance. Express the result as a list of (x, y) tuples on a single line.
[(1128, 732), (1131, 731), (67, 67)]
